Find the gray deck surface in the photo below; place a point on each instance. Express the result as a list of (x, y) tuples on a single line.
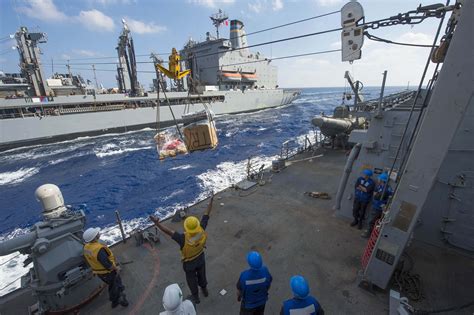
[(296, 234)]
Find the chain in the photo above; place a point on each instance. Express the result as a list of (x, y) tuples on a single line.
[(412, 17)]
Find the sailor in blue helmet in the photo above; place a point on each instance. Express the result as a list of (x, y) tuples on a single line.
[(364, 187), (380, 199), (253, 286), (302, 303)]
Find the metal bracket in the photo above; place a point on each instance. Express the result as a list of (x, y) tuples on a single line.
[(352, 36), (447, 220), (453, 196)]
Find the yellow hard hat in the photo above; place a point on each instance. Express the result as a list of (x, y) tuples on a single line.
[(191, 224)]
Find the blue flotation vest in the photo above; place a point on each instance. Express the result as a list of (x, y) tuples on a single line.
[(307, 306), (380, 200), (255, 285), (369, 185)]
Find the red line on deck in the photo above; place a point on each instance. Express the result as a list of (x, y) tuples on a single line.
[(151, 285)]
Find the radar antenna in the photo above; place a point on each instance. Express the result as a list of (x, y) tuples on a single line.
[(217, 19)]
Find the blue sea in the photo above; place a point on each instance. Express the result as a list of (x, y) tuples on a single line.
[(122, 172)]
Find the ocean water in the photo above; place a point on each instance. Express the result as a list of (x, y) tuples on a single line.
[(121, 171)]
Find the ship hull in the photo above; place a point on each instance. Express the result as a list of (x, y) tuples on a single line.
[(35, 130)]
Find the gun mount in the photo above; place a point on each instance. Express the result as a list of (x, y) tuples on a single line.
[(60, 277)]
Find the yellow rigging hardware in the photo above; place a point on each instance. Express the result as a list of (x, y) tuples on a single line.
[(174, 70)]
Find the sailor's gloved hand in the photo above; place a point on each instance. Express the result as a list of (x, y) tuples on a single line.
[(154, 219)]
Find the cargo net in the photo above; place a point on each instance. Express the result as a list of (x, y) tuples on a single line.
[(198, 132), (169, 144)]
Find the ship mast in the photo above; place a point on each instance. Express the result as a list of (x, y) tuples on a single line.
[(217, 19)]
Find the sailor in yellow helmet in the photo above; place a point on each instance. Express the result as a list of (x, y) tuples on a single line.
[(103, 264), (192, 243)]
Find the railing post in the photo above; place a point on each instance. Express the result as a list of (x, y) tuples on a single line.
[(119, 221)]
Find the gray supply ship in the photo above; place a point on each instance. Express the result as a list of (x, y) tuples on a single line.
[(226, 76), (419, 258)]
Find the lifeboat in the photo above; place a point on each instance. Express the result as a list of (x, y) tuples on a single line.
[(230, 76), (248, 76)]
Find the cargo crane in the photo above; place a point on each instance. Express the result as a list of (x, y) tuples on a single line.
[(127, 68), (30, 62), (356, 87), (174, 69)]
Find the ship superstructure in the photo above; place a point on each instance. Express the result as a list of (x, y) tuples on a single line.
[(236, 66)]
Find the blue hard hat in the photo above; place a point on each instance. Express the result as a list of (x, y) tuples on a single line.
[(367, 172), (299, 286), (383, 177), (255, 260)]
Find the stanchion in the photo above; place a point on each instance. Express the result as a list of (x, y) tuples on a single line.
[(119, 221)]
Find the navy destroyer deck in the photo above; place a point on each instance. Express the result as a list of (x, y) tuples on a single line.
[(296, 234)]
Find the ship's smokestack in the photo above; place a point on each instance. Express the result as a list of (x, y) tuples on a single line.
[(238, 38)]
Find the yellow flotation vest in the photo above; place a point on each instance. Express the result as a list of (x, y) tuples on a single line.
[(194, 245), (91, 250)]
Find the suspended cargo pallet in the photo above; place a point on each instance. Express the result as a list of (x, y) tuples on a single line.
[(200, 135)]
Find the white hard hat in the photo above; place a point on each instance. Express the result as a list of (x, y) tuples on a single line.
[(172, 298), (90, 234)]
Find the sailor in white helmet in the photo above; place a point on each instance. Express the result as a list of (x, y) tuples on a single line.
[(103, 264), (174, 304)]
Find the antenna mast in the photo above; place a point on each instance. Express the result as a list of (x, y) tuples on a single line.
[(217, 19)]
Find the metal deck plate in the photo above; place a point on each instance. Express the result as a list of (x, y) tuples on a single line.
[(245, 184)]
